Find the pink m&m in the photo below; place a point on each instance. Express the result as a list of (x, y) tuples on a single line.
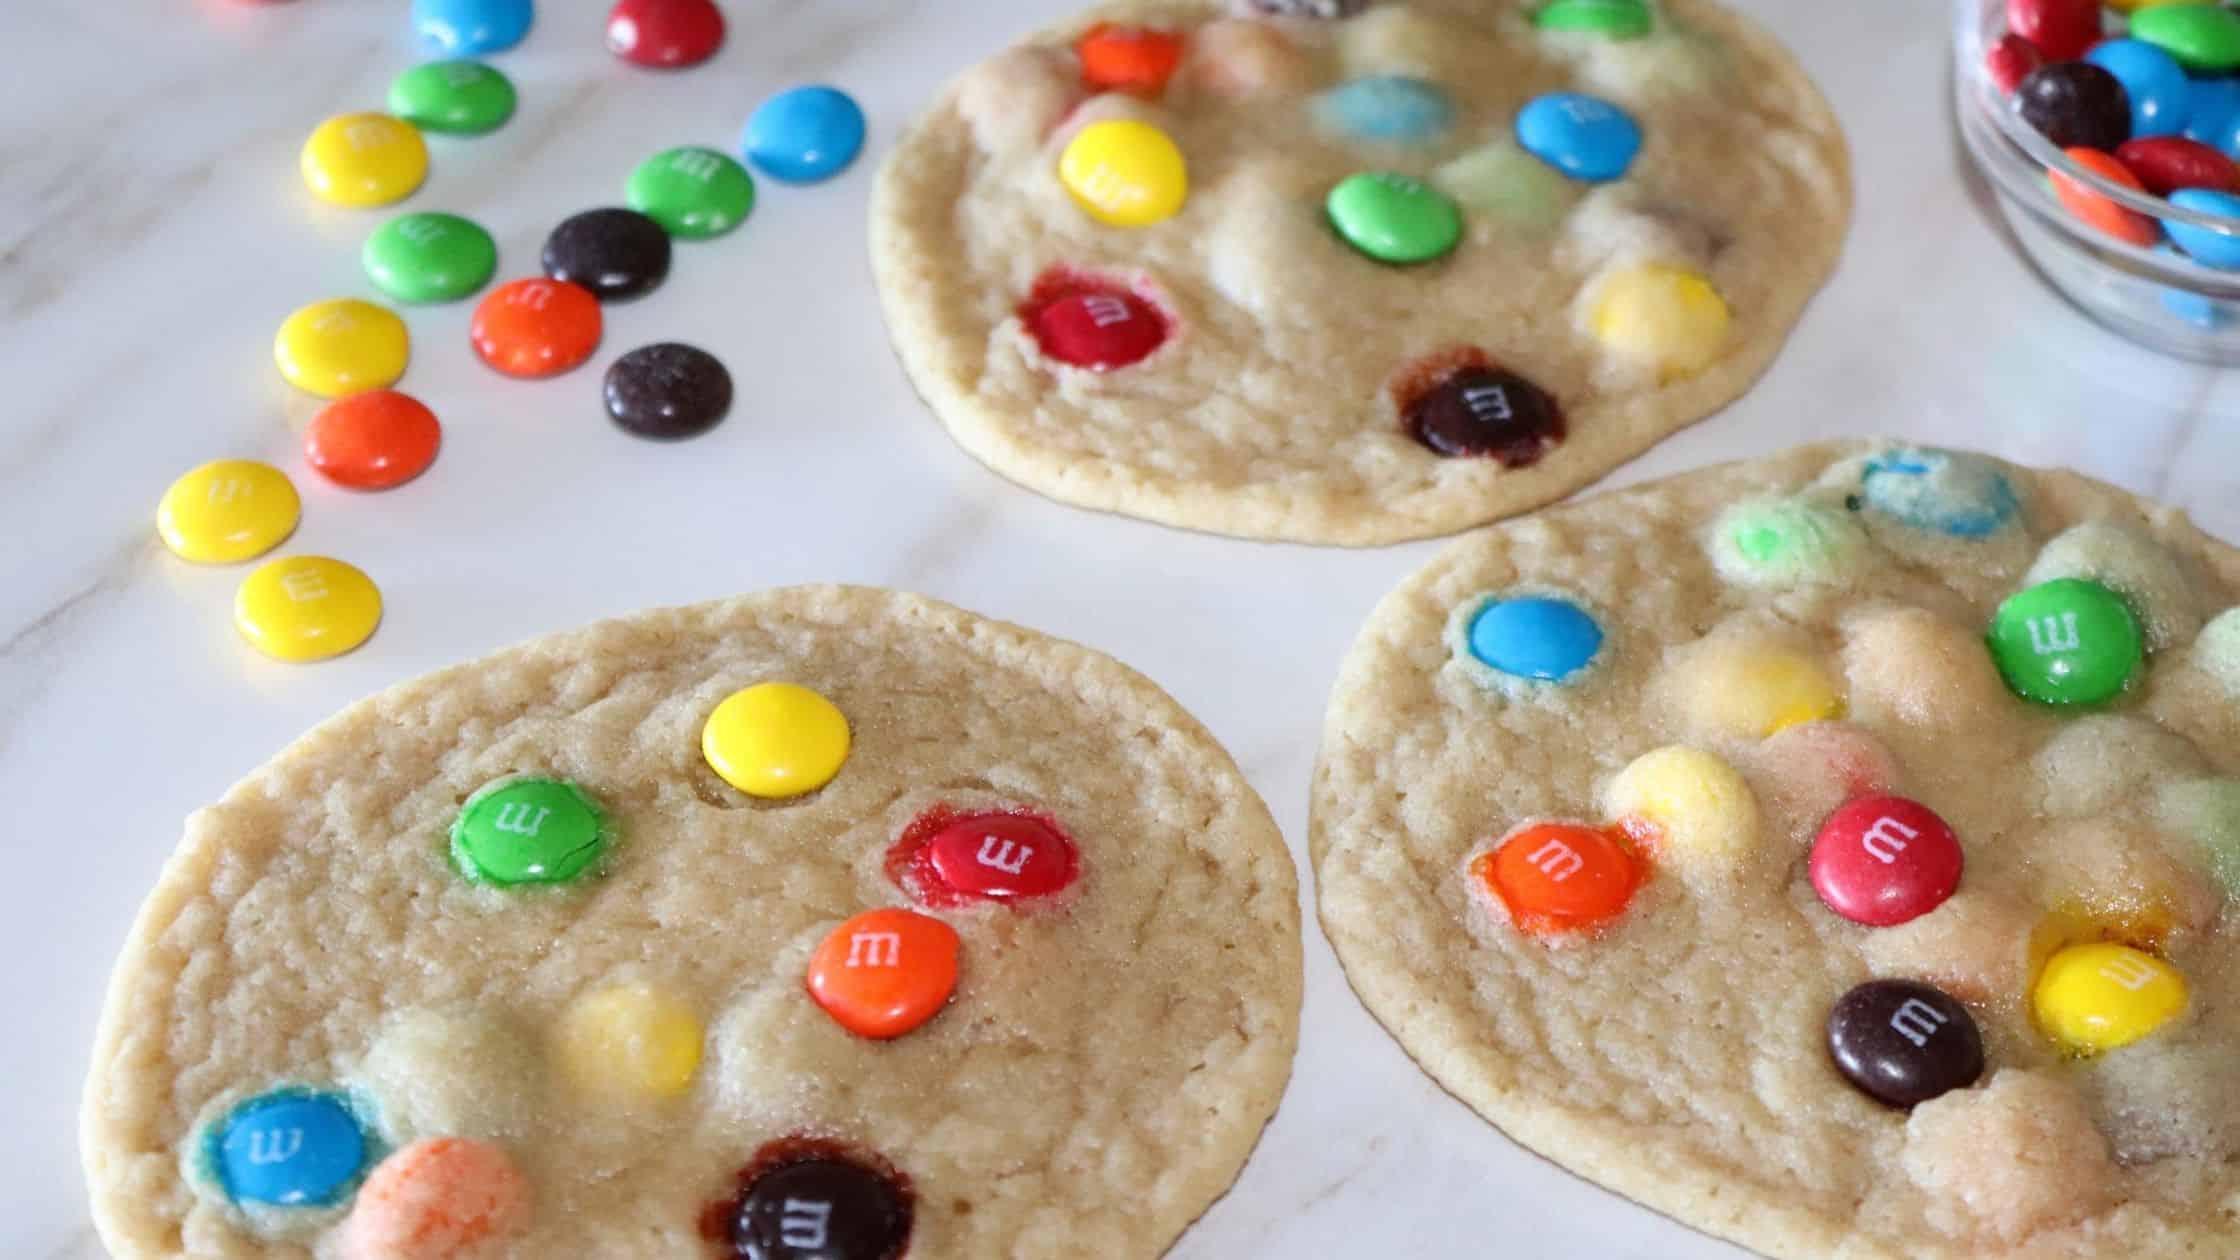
[(1085, 324), (1882, 860), (947, 857)]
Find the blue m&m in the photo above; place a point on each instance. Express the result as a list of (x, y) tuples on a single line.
[(2213, 114), (291, 1148), (805, 135), (470, 28), (2207, 246), (2160, 93), (1585, 137), (1964, 496), (1541, 637), (1386, 109)]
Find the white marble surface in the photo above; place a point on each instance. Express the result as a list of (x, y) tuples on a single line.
[(153, 233)]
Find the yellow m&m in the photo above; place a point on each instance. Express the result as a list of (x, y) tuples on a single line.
[(306, 608), (1668, 317), (1687, 806), (228, 511), (1750, 688), (361, 160), (341, 347), (775, 740), (1125, 173), (2095, 998), (629, 1043)]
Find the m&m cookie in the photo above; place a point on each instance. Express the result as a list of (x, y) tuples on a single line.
[(820, 924), (1837, 852)]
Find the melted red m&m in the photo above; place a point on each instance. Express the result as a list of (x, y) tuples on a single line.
[(1882, 860), (948, 857), (1092, 324)]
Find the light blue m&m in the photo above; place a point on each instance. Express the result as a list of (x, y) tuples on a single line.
[(1386, 109), (1542, 637), (470, 28), (1583, 136), (2213, 115), (290, 1148), (2207, 246), (2161, 94), (805, 134), (1965, 496)]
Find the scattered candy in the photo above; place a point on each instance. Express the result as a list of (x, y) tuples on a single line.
[(1747, 688), (1785, 542), (1394, 218), (306, 608), (2059, 29), (2095, 998), (2153, 82), (695, 193), (228, 511), (2165, 164), (1132, 59), (884, 973), (1386, 109), (950, 858), (629, 1043), (1501, 181), (434, 1199), (465, 98), (1541, 637), (361, 160), (1884, 860), (290, 1148), (1558, 877), (1585, 137), (470, 28), (372, 441), (821, 1209), (342, 346), (776, 740), (1965, 496), (1903, 1043), (2067, 642), (2205, 39), (430, 257), (534, 328), (615, 253), (1125, 173), (528, 831), (668, 391), (1486, 411), (805, 135), (2214, 247), (1665, 316), (2010, 61), (1085, 324), (2075, 104), (1687, 807), (1614, 19), (2091, 208), (664, 34)]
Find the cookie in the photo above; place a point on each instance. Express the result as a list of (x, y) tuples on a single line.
[(824, 922), (1834, 851), (1353, 274)]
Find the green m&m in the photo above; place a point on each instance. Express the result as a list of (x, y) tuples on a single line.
[(1617, 19), (2204, 38), (430, 257), (694, 193), (527, 831), (1786, 542), (2066, 642), (1393, 218), (463, 98)]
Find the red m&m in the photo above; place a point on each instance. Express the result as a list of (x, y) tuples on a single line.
[(536, 327), (2165, 164), (1882, 860), (2011, 60), (664, 34), (947, 858), (373, 441), (1084, 324), (2060, 29)]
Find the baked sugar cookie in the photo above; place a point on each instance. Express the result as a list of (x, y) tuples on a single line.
[(828, 923), (1834, 851), (1354, 273)]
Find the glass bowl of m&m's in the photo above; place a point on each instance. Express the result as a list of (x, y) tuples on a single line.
[(2110, 134)]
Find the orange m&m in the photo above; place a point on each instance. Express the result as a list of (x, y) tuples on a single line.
[(2098, 210), (373, 441), (1128, 58), (536, 327), (885, 972), (434, 1199), (1559, 877)]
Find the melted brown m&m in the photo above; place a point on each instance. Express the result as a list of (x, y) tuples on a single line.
[(804, 1198), (1462, 404), (949, 857)]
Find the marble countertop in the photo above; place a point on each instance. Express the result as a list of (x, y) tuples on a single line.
[(153, 232)]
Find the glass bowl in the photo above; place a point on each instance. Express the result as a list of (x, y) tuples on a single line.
[(2153, 295)]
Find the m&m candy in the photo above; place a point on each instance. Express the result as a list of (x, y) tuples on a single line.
[(535, 328), (1125, 173), (1670, 318), (629, 1043), (1555, 878), (2204, 38), (776, 740), (1882, 860), (1583, 136), (430, 257), (1098, 327), (2097, 210), (465, 98), (528, 831), (1386, 109), (2214, 119), (884, 973), (1786, 542), (664, 34), (613, 252), (470, 28), (2153, 82), (289, 1148), (2010, 60), (1902, 1043), (361, 160), (2165, 164), (947, 858), (1394, 218), (667, 391), (1542, 637), (1687, 806), (1964, 496), (372, 441), (2059, 29), (1486, 412), (2210, 246), (2095, 998), (1612, 19), (2075, 104), (341, 347), (1134, 59), (805, 134), (695, 193), (228, 511), (821, 1208), (2069, 641), (1747, 688), (306, 608), (435, 1199)]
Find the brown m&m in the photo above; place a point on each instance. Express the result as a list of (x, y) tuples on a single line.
[(1481, 410), (1902, 1042)]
